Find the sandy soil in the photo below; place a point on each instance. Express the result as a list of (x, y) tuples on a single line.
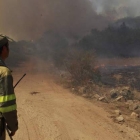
[(56, 114)]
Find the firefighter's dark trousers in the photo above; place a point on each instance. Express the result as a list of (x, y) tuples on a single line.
[(3, 137), (2, 129)]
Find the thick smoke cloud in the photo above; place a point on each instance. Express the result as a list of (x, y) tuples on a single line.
[(28, 19), (117, 8)]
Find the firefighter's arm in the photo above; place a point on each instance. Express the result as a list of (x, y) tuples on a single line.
[(11, 120)]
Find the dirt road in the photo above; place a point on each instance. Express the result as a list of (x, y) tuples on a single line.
[(53, 113)]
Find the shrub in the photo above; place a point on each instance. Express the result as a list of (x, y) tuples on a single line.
[(81, 66)]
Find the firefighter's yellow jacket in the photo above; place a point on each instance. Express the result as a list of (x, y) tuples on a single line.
[(7, 97)]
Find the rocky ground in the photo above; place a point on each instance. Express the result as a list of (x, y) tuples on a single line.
[(121, 100)]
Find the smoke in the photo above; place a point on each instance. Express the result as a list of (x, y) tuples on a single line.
[(117, 8), (28, 19)]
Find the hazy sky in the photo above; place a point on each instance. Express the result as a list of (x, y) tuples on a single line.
[(28, 19), (118, 8)]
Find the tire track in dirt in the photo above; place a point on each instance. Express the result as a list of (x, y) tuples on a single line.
[(26, 129), (64, 133), (30, 121), (61, 128), (36, 133)]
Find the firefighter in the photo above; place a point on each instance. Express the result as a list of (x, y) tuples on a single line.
[(8, 112)]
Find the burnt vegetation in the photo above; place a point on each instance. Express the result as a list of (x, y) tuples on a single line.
[(121, 41), (81, 67)]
